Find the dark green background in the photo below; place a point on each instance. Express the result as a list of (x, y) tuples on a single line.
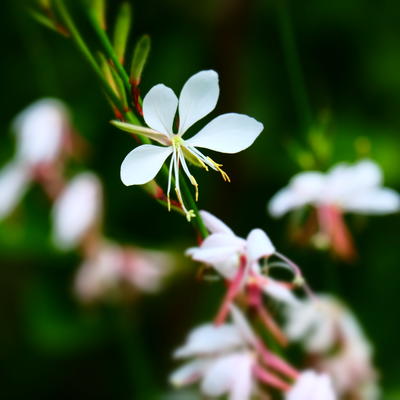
[(51, 346)]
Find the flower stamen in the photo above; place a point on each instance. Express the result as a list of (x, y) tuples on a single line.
[(225, 176)]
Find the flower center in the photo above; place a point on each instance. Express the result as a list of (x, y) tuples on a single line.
[(177, 141)]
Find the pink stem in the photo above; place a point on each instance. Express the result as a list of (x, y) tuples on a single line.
[(233, 289), (276, 362), (332, 223), (270, 379)]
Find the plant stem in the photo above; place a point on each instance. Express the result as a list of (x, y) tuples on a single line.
[(76, 36), (293, 65), (109, 51)]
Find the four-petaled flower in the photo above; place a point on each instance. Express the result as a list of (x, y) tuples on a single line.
[(244, 263), (230, 359), (227, 133), (344, 188)]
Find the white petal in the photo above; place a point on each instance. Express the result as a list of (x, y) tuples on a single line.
[(40, 130), (229, 374), (228, 133), (311, 386), (280, 292), (242, 386), (146, 269), (189, 373), (216, 248), (345, 181), (208, 339), (242, 325), (159, 108), (259, 245), (374, 201), (142, 164), (14, 179), (282, 202), (198, 98), (213, 224), (308, 186), (76, 210), (100, 273)]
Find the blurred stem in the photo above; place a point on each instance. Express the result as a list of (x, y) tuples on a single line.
[(293, 65), (77, 38), (109, 51)]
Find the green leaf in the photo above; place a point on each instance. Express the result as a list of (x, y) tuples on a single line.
[(139, 59), (121, 30)]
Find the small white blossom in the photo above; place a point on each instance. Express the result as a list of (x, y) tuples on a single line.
[(14, 181), (353, 188), (110, 266), (41, 132), (227, 133), (225, 252), (221, 359), (77, 210), (312, 386), (324, 324)]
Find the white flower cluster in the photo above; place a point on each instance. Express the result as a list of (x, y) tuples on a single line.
[(43, 140)]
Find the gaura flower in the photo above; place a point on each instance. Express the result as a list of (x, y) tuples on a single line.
[(345, 188), (228, 359), (352, 188), (41, 133), (227, 133), (77, 211), (245, 264), (312, 386), (110, 267), (334, 339)]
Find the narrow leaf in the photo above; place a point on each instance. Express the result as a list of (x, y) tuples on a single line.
[(139, 59), (121, 30)]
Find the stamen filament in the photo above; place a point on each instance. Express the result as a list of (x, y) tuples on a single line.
[(225, 176), (171, 166), (188, 174)]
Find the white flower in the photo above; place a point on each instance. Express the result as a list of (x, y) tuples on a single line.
[(222, 360), (227, 252), (311, 386), (228, 133), (14, 181), (354, 188), (111, 265), (324, 325), (40, 130), (77, 210)]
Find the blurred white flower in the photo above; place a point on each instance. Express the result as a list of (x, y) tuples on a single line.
[(227, 360), (111, 266), (77, 210), (41, 134), (41, 131), (237, 258), (345, 188), (332, 335), (228, 133), (14, 181), (311, 386), (353, 188)]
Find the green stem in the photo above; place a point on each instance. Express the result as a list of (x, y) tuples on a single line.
[(109, 50), (77, 38), (293, 65)]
